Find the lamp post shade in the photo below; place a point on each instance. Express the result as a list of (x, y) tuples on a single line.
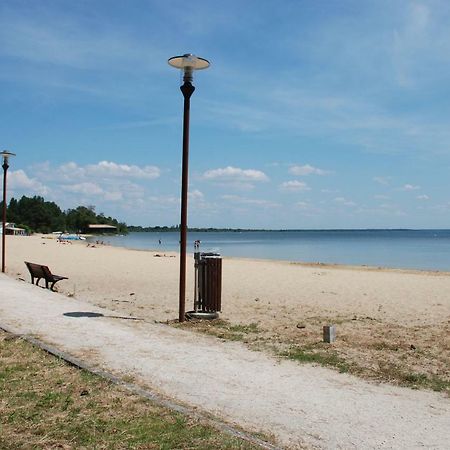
[(188, 63), (5, 156), (189, 60)]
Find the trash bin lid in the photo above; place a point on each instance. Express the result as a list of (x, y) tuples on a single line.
[(209, 255)]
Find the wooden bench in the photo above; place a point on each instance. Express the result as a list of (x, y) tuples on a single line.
[(38, 271)]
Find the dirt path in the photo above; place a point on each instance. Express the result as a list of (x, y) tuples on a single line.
[(300, 405)]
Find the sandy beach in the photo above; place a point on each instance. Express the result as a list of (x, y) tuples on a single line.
[(392, 325)]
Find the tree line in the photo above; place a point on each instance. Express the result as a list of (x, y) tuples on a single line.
[(35, 214), (165, 228)]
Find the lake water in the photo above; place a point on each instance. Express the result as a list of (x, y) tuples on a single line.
[(409, 249)]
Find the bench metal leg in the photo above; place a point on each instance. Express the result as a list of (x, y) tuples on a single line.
[(53, 284), (37, 281)]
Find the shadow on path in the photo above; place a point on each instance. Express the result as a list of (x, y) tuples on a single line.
[(83, 314), (94, 314)]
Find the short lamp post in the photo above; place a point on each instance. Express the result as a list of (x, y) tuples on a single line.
[(5, 156), (187, 64)]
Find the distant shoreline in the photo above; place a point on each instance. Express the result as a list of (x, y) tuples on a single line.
[(138, 229)]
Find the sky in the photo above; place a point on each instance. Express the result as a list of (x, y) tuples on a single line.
[(312, 115)]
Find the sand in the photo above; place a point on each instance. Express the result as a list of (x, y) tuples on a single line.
[(385, 319), (298, 406), (392, 328)]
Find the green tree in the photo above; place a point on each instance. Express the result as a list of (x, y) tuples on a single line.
[(42, 216), (79, 218), (36, 213), (11, 213)]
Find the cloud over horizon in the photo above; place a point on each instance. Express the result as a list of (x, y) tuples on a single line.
[(230, 173), (307, 169), (294, 185)]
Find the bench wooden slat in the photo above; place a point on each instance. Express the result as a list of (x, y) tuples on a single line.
[(39, 271)]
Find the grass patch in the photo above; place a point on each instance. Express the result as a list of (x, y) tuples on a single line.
[(415, 380), (323, 358), (223, 329), (250, 328), (46, 403)]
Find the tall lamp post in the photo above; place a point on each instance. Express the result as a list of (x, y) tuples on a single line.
[(5, 156), (187, 63)]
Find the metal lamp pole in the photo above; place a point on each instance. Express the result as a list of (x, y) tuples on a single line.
[(5, 156), (187, 63)]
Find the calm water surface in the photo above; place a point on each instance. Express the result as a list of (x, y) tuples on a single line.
[(413, 249)]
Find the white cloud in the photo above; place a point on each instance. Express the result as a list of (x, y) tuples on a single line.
[(111, 169), (235, 174), (423, 197), (307, 170), (100, 184), (294, 185), (71, 172), (410, 187), (18, 180), (196, 195), (68, 172), (84, 188)]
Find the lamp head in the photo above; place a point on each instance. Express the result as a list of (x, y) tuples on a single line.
[(5, 156), (188, 63)]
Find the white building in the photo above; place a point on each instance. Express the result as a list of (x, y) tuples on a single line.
[(12, 229)]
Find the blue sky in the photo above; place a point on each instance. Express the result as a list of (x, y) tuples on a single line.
[(313, 114)]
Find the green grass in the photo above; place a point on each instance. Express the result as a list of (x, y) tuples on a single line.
[(386, 371), (415, 380), (46, 403), (223, 329), (323, 358), (250, 328)]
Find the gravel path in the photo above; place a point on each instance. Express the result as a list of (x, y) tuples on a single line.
[(300, 405)]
